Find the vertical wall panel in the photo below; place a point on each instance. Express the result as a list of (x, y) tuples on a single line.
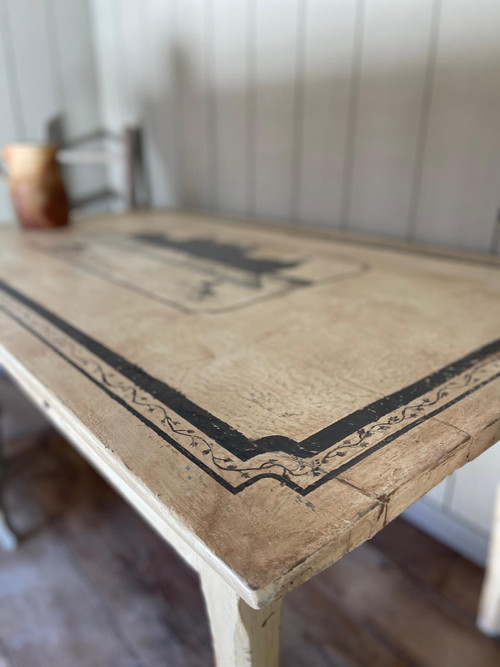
[(230, 33), (107, 48), (192, 73), (329, 34), (8, 130), (70, 42), (391, 87), (105, 16), (276, 41), (137, 60), (73, 67), (459, 195), (132, 41), (159, 100), (36, 80)]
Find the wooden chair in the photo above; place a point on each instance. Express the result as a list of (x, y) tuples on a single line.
[(123, 150)]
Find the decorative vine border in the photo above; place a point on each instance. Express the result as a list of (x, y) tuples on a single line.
[(227, 455)]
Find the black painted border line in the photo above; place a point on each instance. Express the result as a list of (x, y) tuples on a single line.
[(123, 403), (216, 428), (228, 437)]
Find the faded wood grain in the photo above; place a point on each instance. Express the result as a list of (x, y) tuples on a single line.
[(214, 362)]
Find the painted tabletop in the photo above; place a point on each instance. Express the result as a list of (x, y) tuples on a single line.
[(275, 395)]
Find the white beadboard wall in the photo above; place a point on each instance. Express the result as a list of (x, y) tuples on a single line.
[(47, 69), (371, 115)]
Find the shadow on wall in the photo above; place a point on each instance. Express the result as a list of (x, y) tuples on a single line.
[(398, 150)]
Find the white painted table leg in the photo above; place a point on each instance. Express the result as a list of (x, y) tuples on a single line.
[(242, 636), (8, 538), (489, 607)]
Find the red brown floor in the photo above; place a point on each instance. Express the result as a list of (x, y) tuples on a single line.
[(92, 585)]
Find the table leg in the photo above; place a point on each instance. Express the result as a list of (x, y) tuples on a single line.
[(488, 619), (8, 539), (242, 636)]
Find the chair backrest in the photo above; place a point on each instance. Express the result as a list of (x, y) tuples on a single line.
[(122, 150)]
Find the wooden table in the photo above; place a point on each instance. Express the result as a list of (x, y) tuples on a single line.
[(267, 398)]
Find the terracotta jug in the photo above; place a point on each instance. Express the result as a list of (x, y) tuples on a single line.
[(36, 185)]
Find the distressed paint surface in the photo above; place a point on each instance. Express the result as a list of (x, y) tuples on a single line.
[(278, 397)]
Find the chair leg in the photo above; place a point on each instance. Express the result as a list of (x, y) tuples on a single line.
[(8, 537), (488, 619)]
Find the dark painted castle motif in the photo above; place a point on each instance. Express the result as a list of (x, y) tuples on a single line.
[(225, 254), (210, 275)]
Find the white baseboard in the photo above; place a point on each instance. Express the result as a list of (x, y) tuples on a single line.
[(449, 529)]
